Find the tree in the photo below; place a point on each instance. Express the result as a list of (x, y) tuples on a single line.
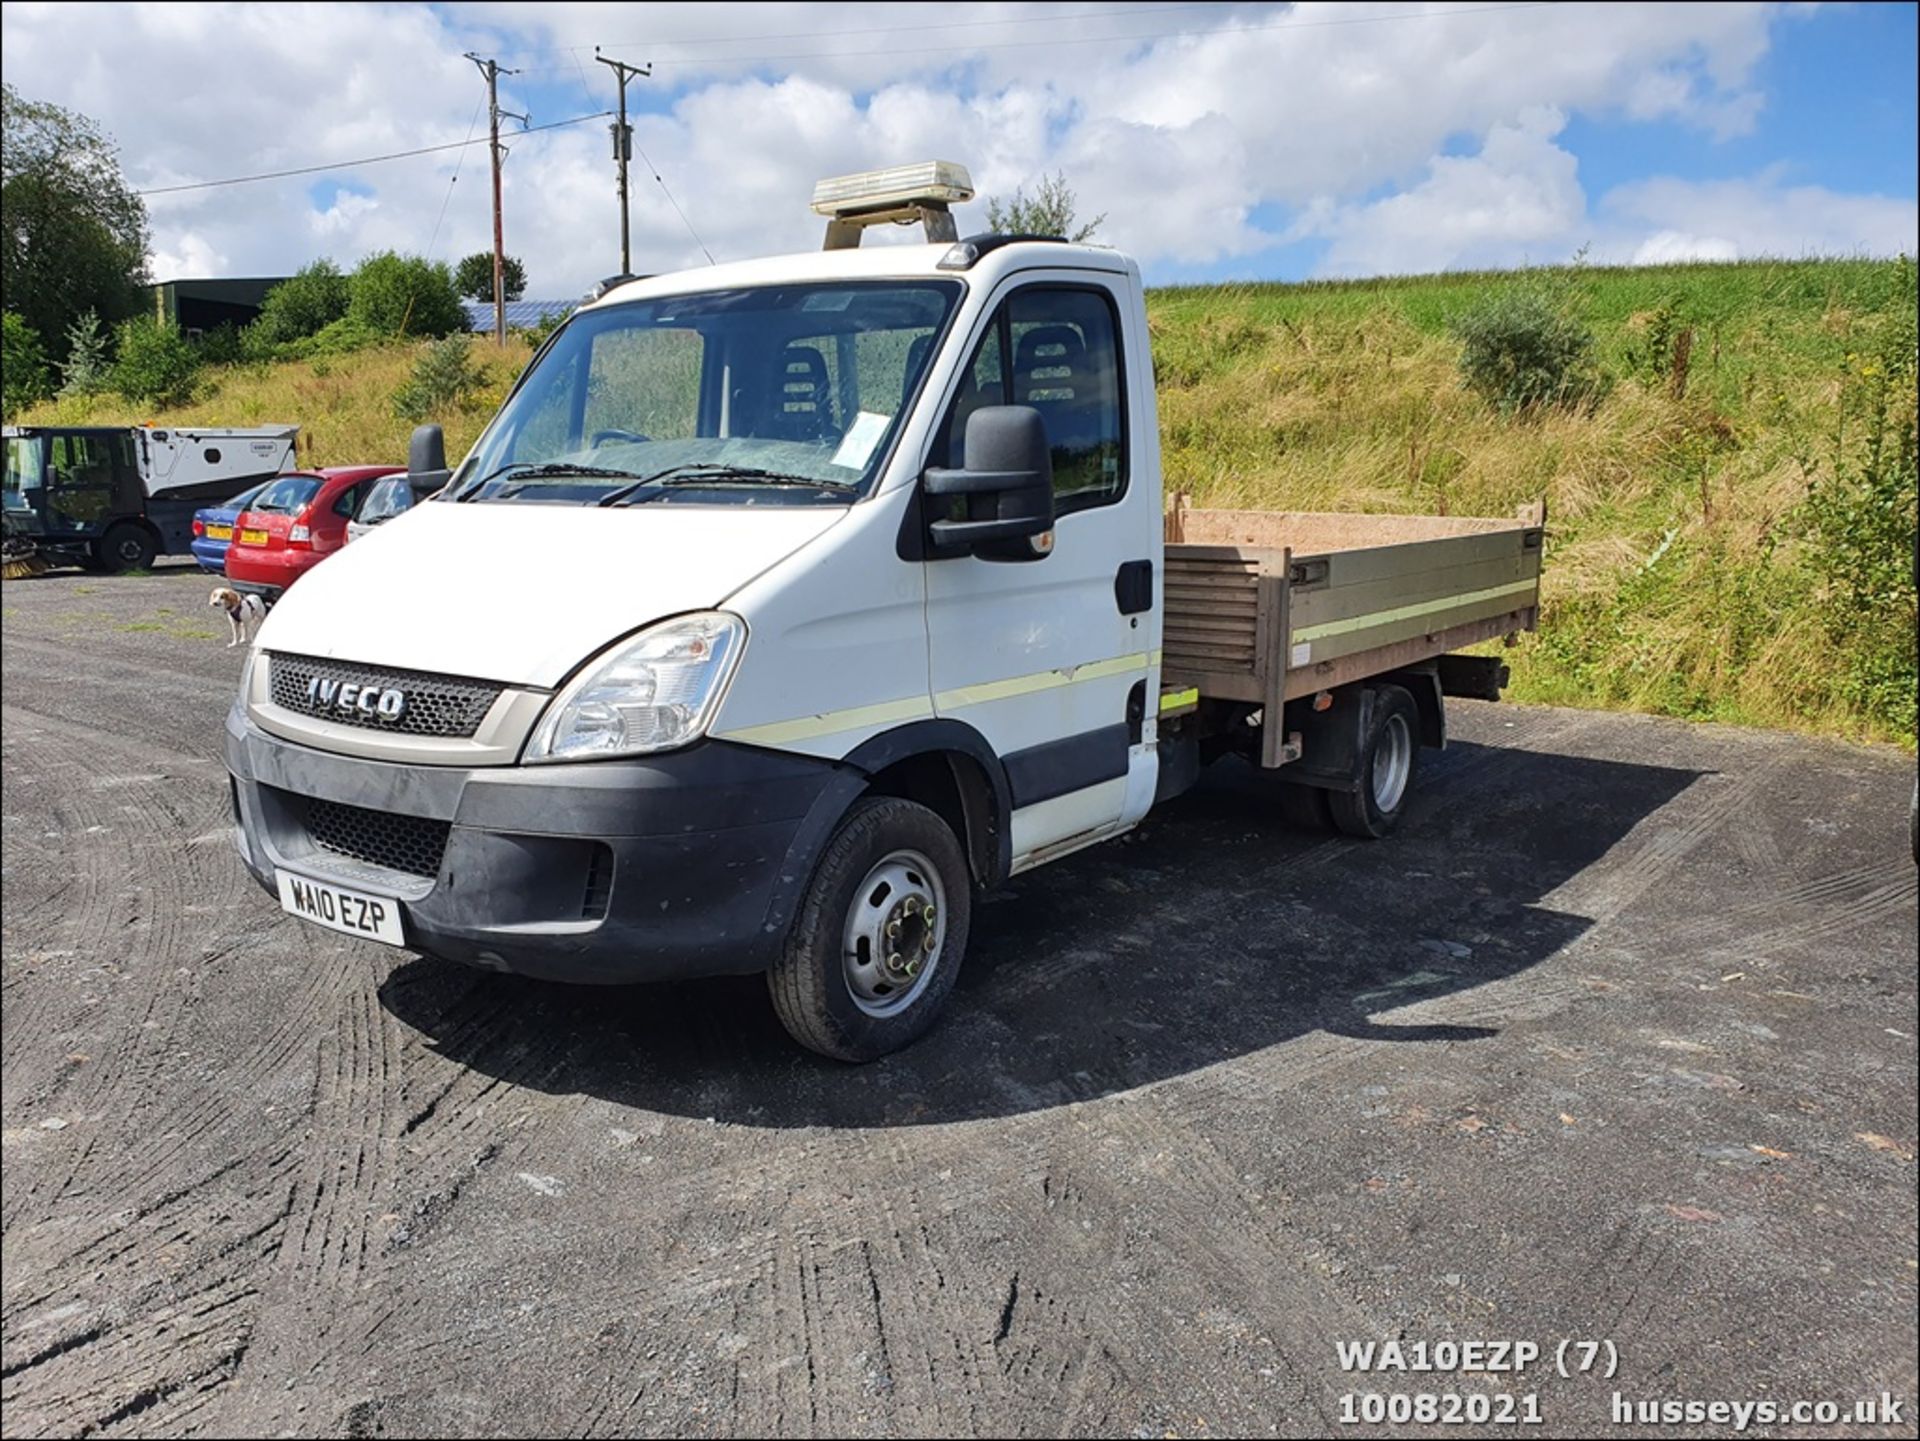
[(405, 295), (1050, 211), (84, 371), (313, 299), (75, 237), (23, 365), (473, 277), (155, 365)]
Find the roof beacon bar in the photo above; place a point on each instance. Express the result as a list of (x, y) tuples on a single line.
[(901, 195)]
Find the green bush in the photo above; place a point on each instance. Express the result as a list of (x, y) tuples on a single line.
[(1860, 512), (405, 295), (312, 300), (84, 371), (1522, 350), (445, 378), (343, 337), (155, 364), (223, 345), (23, 365)]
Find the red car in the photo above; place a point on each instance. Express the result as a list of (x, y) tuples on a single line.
[(294, 524)]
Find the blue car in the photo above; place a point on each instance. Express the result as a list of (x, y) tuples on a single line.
[(213, 529)]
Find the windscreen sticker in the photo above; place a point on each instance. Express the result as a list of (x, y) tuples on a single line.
[(861, 437)]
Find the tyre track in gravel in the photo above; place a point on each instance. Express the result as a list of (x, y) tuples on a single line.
[(128, 931), (151, 1228)]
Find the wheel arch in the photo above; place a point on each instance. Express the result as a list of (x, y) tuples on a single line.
[(945, 765)]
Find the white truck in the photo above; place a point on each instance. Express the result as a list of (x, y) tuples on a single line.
[(114, 497), (787, 605)]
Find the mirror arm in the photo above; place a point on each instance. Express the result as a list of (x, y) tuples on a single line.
[(937, 481)]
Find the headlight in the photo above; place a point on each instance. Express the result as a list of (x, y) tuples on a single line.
[(651, 692)]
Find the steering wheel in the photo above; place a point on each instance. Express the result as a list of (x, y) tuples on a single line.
[(601, 437)]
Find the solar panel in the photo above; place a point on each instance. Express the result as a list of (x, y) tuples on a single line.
[(521, 314)]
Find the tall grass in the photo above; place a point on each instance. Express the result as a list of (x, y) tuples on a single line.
[(1718, 523), (1687, 572)]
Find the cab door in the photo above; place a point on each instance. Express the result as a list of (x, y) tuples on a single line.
[(1052, 659)]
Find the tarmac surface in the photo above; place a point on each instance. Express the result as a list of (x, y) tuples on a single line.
[(1613, 1043)]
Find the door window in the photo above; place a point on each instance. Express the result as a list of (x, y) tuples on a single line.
[(1065, 364)]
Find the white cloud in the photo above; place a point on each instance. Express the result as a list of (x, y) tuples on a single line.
[(1518, 200), (1665, 247), (1725, 219), (1191, 132)]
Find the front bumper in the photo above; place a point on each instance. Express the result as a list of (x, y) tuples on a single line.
[(683, 864)]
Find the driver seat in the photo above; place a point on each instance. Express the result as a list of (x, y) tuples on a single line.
[(803, 395)]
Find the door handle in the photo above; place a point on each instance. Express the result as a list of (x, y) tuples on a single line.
[(1133, 587)]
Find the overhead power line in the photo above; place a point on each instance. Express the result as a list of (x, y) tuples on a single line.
[(363, 160)]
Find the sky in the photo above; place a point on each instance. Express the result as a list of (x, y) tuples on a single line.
[(1219, 141)]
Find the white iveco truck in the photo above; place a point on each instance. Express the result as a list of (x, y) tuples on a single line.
[(857, 594)]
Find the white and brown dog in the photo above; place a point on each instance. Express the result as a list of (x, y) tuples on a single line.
[(244, 612)]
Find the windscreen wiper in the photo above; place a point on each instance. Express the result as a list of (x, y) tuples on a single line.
[(708, 473), (531, 468)]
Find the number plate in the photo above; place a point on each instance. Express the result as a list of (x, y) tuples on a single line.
[(353, 913), (219, 532), (253, 537)]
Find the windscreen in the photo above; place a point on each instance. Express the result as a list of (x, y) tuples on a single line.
[(785, 394), (23, 476)]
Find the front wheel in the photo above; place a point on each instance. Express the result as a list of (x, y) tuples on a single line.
[(125, 546), (1391, 752), (881, 931)]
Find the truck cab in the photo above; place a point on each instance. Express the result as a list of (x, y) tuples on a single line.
[(114, 497), (854, 607)]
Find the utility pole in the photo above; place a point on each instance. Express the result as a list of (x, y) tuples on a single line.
[(491, 69), (623, 147)]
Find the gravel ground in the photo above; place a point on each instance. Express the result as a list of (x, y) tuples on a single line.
[(1616, 1041)]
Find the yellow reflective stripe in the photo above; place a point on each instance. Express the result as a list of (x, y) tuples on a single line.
[(911, 708), (1179, 699), (993, 690), (1408, 612), (775, 733)]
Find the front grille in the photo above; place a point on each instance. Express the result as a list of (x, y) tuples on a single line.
[(436, 705), (400, 843), (593, 905)]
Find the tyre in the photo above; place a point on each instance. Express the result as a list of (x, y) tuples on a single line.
[(125, 546), (1390, 753), (1304, 807), (880, 934)]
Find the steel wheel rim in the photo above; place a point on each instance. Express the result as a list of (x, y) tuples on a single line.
[(1392, 763), (895, 934)]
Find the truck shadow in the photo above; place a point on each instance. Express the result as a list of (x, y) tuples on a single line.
[(1210, 933)]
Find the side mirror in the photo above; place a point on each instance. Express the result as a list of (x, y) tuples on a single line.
[(1006, 487), (427, 458)]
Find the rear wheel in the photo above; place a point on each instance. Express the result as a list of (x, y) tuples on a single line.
[(125, 546), (882, 929), (1390, 753)]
